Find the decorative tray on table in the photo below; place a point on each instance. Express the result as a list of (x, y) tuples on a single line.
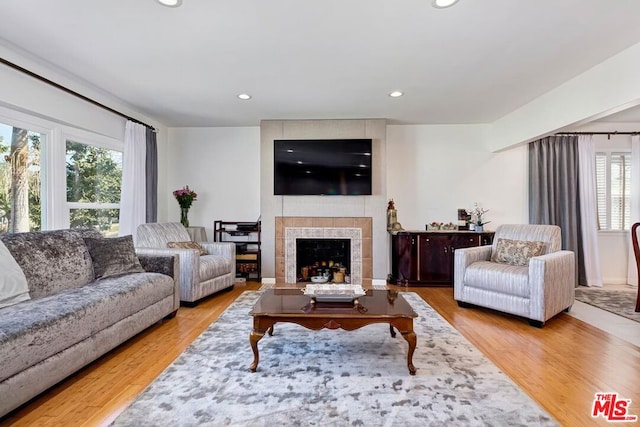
[(333, 293)]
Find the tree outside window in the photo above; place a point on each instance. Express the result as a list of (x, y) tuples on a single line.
[(94, 177), (20, 183)]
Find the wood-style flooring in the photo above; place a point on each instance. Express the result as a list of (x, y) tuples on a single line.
[(560, 366)]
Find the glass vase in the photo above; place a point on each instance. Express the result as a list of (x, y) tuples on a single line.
[(184, 216)]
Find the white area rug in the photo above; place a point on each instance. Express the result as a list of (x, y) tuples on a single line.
[(332, 378)]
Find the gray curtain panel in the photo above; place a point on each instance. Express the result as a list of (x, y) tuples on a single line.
[(152, 176), (553, 191)]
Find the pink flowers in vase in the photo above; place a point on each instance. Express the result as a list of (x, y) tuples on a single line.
[(185, 197)]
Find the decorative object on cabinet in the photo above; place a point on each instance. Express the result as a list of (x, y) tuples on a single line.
[(463, 219), (477, 217), (247, 237), (435, 225), (425, 258), (392, 216)]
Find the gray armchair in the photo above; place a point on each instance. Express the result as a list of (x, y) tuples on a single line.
[(200, 275), (525, 274)]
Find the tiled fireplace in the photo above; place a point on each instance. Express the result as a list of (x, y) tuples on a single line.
[(357, 229)]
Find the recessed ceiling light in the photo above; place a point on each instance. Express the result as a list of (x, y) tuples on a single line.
[(396, 94), (170, 3), (441, 4), (244, 96)]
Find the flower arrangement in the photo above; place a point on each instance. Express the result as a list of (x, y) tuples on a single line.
[(477, 214), (185, 197)]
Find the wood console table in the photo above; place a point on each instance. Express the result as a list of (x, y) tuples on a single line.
[(425, 258)]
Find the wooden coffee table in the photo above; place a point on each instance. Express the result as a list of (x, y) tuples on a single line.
[(290, 305)]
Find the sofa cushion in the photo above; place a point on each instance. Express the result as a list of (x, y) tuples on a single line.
[(13, 283), (214, 266), (52, 261), (516, 252), (34, 330), (188, 245), (113, 256), (501, 278)]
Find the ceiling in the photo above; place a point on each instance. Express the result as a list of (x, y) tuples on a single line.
[(472, 63)]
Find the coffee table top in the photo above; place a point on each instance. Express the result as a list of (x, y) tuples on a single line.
[(285, 302)]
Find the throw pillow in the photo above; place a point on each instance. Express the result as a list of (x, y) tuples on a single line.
[(516, 252), (13, 283), (113, 256), (188, 245)]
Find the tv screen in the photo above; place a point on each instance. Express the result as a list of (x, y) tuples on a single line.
[(322, 167)]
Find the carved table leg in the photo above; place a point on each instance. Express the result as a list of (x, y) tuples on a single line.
[(253, 339), (392, 331), (270, 331), (412, 340)]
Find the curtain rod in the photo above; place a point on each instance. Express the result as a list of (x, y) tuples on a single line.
[(615, 132), (72, 92)]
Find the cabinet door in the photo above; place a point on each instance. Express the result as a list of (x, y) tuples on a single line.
[(435, 258), (464, 241), (403, 258), (486, 239)]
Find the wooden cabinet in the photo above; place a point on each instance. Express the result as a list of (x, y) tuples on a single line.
[(426, 257), (246, 236)]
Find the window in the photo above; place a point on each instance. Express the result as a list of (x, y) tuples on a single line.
[(20, 181), (94, 176), (54, 176), (613, 189)]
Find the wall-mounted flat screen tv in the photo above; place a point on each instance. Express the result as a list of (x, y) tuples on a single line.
[(322, 167)]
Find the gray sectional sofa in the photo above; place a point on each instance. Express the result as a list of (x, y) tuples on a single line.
[(73, 318)]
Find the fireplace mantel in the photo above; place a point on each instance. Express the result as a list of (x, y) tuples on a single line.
[(358, 229)]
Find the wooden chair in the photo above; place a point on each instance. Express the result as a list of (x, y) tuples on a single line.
[(636, 251)]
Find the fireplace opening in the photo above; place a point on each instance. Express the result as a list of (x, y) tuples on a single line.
[(330, 258)]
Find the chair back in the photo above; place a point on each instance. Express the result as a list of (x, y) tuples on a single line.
[(157, 235), (549, 234), (636, 253)]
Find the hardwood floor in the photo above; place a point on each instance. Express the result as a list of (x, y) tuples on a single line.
[(560, 366)]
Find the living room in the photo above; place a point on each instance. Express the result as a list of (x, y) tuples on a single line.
[(429, 169)]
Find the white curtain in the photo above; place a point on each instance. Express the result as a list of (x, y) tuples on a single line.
[(632, 272), (133, 193), (588, 210)]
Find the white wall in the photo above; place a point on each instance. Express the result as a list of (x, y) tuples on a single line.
[(222, 165), (613, 248), (434, 170), (607, 88)]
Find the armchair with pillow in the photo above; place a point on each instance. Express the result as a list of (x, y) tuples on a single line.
[(524, 272), (205, 267)]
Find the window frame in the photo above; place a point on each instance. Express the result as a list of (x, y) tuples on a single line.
[(53, 190)]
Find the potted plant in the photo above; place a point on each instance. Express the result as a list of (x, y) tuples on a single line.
[(477, 217)]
